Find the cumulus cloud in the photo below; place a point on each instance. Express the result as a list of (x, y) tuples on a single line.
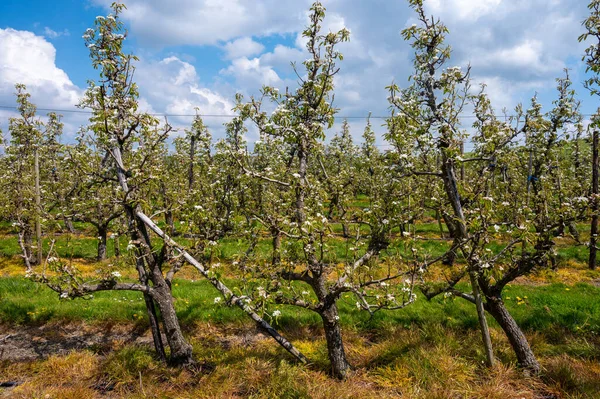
[(36, 68), (172, 86), (30, 59), (201, 22), (242, 47), (530, 54), (251, 72)]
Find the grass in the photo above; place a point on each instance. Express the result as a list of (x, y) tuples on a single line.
[(551, 309)]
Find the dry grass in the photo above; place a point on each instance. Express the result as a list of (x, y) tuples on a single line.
[(411, 363)]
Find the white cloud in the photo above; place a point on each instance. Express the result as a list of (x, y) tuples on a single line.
[(282, 57), (172, 86), (200, 22), (30, 59), (242, 47), (251, 72), (465, 9), (52, 34), (530, 54)]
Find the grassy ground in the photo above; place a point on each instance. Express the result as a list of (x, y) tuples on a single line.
[(101, 348), (429, 350)]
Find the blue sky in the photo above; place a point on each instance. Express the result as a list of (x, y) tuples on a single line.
[(199, 53)]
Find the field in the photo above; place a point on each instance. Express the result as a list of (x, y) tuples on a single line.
[(102, 347)]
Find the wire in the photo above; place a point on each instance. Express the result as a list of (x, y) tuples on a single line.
[(77, 111)]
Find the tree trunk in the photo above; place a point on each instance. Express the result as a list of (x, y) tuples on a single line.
[(227, 293), (574, 232), (517, 339), (594, 227), (335, 344), (155, 328), (69, 225), (170, 222), (102, 239), (438, 216), (117, 246), (345, 230), (28, 243), (276, 245), (191, 167), (181, 350)]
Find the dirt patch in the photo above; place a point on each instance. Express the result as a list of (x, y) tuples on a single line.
[(33, 343)]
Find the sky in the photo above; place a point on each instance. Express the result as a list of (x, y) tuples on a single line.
[(200, 53)]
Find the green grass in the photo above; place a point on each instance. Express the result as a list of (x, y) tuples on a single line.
[(551, 309)]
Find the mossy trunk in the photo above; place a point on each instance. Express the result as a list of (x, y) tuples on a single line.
[(335, 344), (181, 350)]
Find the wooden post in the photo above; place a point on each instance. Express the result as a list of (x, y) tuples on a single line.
[(485, 331), (38, 207), (594, 227)]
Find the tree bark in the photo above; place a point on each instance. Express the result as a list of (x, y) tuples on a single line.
[(117, 246), (159, 347), (517, 339), (102, 241), (276, 245), (181, 350), (38, 210), (335, 344), (28, 243), (170, 222), (69, 225)]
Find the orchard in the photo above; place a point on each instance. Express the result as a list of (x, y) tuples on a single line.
[(307, 263)]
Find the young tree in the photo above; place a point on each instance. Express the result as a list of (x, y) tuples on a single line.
[(286, 170), (133, 144), (528, 208), (20, 181)]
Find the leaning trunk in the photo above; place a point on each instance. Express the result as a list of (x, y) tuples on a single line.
[(155, 328), (483, 325), (517, 339)]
